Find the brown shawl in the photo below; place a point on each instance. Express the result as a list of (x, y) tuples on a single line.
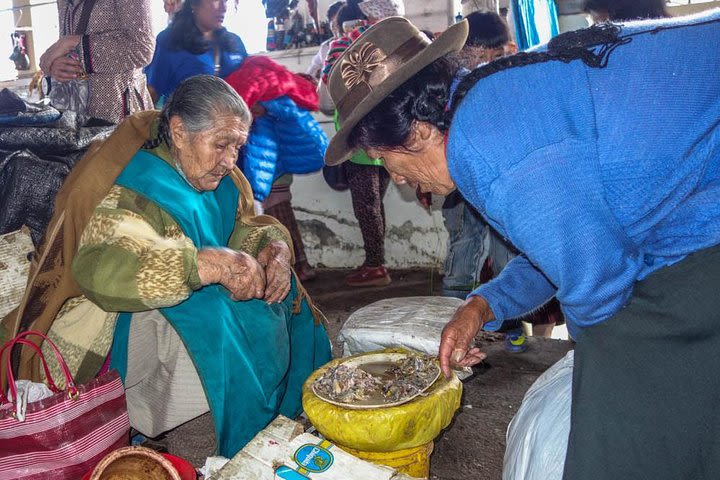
[(50, 282)]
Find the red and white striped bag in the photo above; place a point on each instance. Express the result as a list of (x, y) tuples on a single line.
[(65, 435)]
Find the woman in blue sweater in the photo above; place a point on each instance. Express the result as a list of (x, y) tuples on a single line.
[(195, 43), (607, 140)]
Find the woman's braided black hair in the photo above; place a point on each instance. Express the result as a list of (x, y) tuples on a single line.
[(421, 97), (591, 45), (163, 134)]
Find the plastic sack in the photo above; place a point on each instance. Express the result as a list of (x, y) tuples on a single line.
[(28, 392), (537, 437), (384, 429), (410, 322)]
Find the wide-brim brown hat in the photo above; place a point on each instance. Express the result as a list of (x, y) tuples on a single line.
[(384, 57)]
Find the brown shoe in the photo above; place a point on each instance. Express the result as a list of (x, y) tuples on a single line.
[(368, 277)]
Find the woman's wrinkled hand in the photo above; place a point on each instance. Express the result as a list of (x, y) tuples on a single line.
[(239, 272), (275, 258), (456, 349)]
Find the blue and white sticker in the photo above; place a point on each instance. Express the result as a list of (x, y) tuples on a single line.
[(314, 458)]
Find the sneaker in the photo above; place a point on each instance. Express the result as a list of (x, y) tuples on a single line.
[(137, 438), (515, 342), (368, 277)]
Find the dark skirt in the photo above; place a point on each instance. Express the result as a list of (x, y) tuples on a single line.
[(646, 383)]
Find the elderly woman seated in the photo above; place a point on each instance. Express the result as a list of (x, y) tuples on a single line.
[(154, 254)]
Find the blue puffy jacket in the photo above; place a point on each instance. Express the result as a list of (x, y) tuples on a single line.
[(287, 139)]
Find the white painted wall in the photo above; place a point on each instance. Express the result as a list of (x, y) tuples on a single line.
[(332, 236)]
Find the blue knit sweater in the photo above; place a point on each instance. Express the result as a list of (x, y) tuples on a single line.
[(600, 176)]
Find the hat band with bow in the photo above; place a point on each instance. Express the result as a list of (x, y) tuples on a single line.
[(368, 67)]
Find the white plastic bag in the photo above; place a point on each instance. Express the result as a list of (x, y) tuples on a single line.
[(537, 437), (410, 322), (28, 392)]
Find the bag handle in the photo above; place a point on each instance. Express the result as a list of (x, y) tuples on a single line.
[(51, 384), (84, 17), (20, 338), (66, 371)]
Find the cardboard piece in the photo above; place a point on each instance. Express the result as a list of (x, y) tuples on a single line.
[(282, 451)]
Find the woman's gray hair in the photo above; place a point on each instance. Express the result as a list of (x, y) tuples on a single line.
[(198, 101)]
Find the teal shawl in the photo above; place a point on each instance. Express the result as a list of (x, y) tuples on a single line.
[(252, 357)]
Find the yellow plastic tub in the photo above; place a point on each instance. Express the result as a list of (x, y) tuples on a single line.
[(410, 461), (400, 437)]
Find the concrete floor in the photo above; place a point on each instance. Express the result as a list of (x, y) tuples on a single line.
[(474, 444)]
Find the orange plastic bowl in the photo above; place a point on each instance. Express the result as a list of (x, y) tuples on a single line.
[(128, 456)]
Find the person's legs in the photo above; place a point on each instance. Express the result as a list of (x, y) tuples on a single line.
[(163, 389), (543, 329), (367, 185), (499, 252), (365, 188), (645, 389), (543, 321), (499, 255), (467, 249)]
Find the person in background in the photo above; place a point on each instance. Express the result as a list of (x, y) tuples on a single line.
[(326, 104), (581, 152), (278, 204), (316, 65), (353, 19), (469, 236), (171, 7), (624, 10), (195, 43), (367, 179), (488, 39), (110, 54)]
